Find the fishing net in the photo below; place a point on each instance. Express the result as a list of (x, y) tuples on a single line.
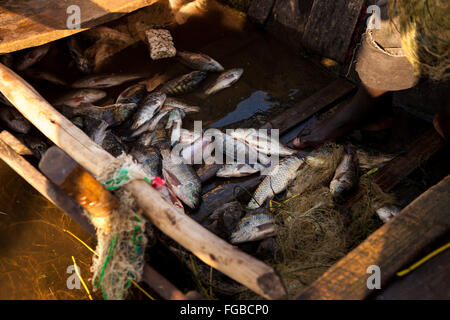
[(121, 237), (425, 32)]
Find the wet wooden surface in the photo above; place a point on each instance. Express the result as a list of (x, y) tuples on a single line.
[(391, 247), (30, 23)]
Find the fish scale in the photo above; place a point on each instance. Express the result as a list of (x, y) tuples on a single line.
[(276, 181)]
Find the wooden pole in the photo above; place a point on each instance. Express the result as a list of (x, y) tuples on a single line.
[(212, 250), (9, 154)]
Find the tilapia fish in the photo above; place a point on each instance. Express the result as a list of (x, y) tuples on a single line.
[(182, 179), (346, 176), (239, 170), (150, 125), (184, 84), (13, 119), (105, 80), (113, 114), (175, 122), (32, 56), (113, 145), (199, 61), (95, 129), (147, 109), (261, 141), (276, 181), (254, 227), (76, 98), (225, 80), (188, 137), (193, 153), (132, 94), (78, 55)]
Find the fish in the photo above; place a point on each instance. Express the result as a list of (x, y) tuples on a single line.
[(175, 122), (181, 178), (199, 61), (32, 56), (14, 120), (261, 141), (224, 219), (184, 84), (150, 159), (239, 170), (254, 227), (188, 137), (105, 80), (47, 76), (113, 145), (78, 121), (147, 109), (194, 152), (107, 34), (386, 213), (346, 176), (150, 125), (113, 114), (76, 98), (78, 55), (225, 80), (132, 94), (95, 129), (276, 181), (171, 103)]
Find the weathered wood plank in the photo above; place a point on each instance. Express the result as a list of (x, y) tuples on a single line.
[(330, 27), (31, 23), (390, 247)]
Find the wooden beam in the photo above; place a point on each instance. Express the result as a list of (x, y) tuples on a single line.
[(55, 195), (209, 248), (290, 118), (330, 27), (25, 24)]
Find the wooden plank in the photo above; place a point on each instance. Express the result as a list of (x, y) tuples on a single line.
[(209, 248), (15, 144), (330, 27), (390, 247), (31, 23), (290, 118), (55, 195)]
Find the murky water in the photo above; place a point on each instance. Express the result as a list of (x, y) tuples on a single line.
[(35, 249)]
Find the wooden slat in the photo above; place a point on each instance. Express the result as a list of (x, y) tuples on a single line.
[(330, 27), (390, 247), (55, 195), (30, 23)]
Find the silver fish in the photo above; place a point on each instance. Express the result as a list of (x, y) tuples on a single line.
[(150, 125), (184, 84), (76, 98), (147, 109), (188, 137), (182, 179), (386, 213), (150, 159), (261, 141), (225, 80), (113, 145), (175, 121), (276, 181), (14, 120), (346, 176), (105, 80), (254, 227), (193, 153), (78, 55), (132, 94), (199, 61), (32, 56), (95, 129), (239, 170)]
